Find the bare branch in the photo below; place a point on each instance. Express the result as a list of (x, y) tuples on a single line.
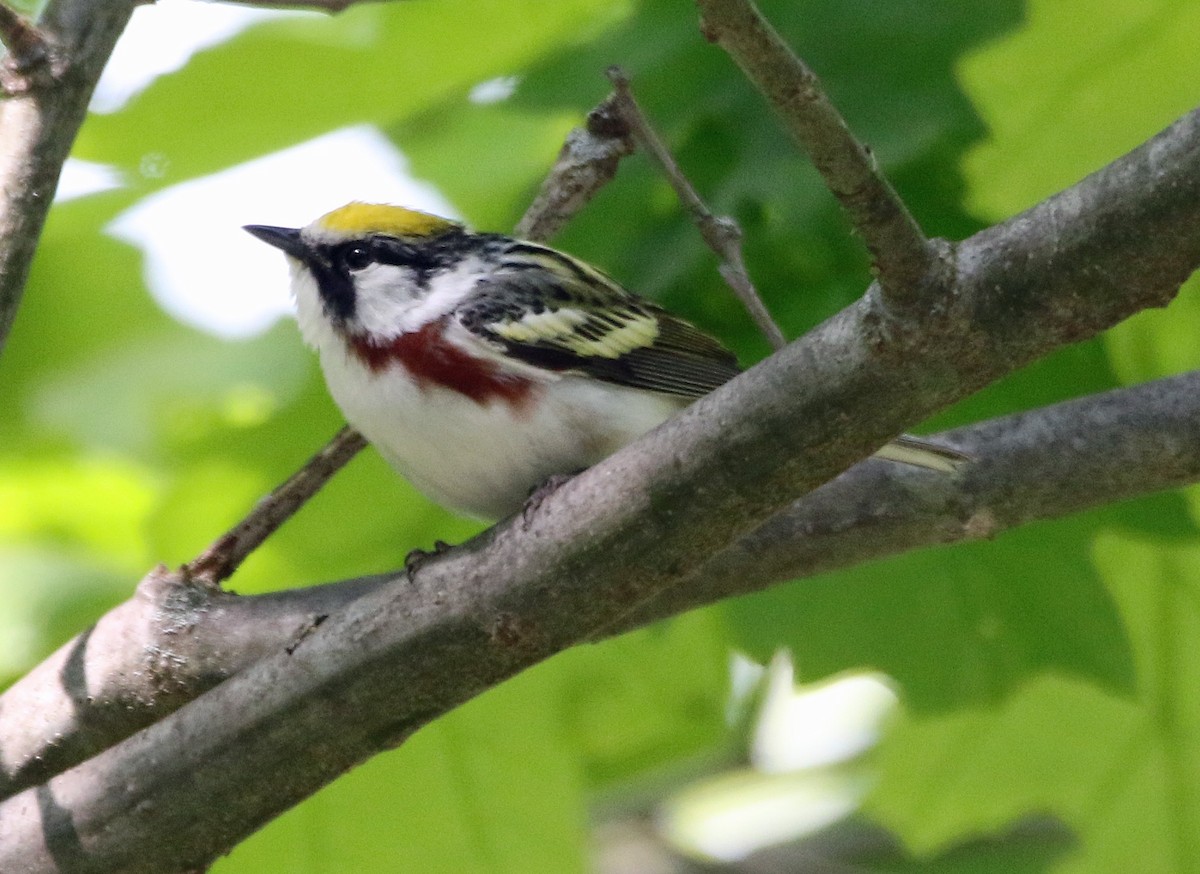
[(587, 162), (401, 655), (724, 237), (40, 125), (901, 255), (174, 640), (168, 644), (226, 554), (722, 234), (28, 50), (1033, 466)]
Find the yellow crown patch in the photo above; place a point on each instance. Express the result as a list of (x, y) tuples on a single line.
[(357, 218)]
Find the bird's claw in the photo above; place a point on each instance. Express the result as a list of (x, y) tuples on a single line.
[(416, 559), (549, 486)]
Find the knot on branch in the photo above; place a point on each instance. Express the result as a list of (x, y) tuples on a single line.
[(606, 122), (926, 314), (587, 161), (29, 61), (513, 632)]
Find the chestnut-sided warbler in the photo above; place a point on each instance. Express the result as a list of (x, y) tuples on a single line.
[(480, 365)]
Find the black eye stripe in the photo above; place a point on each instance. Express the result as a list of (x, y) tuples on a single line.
[(424, 257), (359, 254), (389, 250)]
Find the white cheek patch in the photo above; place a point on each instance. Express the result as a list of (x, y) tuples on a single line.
[(385, 296), (445, 291), (388, 300)]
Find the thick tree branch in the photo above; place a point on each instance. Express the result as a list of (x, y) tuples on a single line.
[(174, 641), (1028, 467), (49, 81), (901, 256), (171, 642), (401, 655)]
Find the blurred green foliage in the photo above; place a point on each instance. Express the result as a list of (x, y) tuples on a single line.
[(1051, 671)]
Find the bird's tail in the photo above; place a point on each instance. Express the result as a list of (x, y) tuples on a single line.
[(907, 449)]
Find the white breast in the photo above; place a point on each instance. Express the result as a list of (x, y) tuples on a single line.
[(485, 459), (478, 459)]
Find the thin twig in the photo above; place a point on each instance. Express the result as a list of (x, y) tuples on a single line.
[(330, 6), (903, 259), (222, 558), (587, 162), (27, 47), (721, 233)]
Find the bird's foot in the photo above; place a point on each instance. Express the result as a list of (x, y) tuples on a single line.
[(416, 559), (549, 486)]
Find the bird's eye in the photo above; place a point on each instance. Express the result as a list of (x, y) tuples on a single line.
[(357, 257)]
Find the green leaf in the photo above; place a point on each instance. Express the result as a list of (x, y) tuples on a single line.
[(494, 787), (954, 626), (1049, 749), (1122, 772), (284, 82), (1061, 101), (646, 700), (1050, 671)]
